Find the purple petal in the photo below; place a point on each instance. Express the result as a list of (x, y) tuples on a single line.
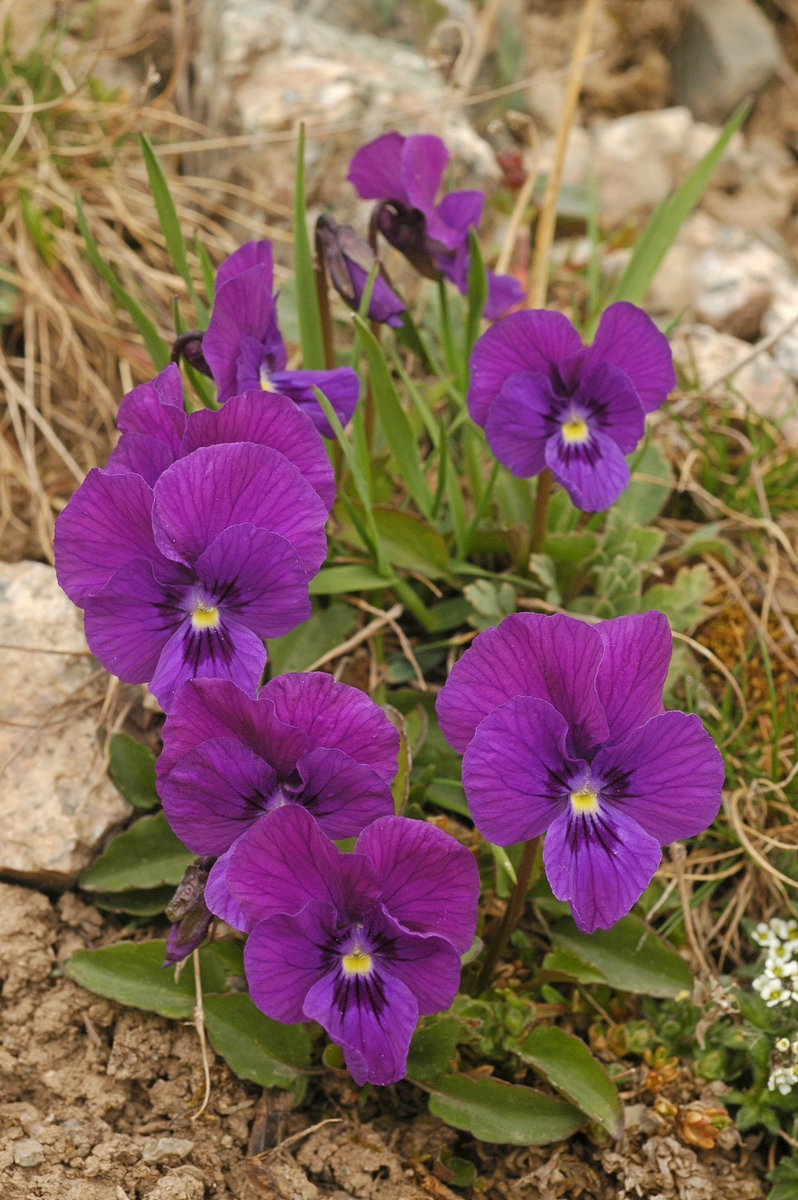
[(376, 169), (612, 406), (593, 473), (257, 578), (341, 387), (424, 159), (549, 658), (503, 292), (430, 883), (429, 967), (142, 455), (385, 306), (212, 708), (284, 958), (284, 861), (267, 419), (130, 621), (462, 210), (251, 254), (243, 308), (177, 950), (219, 486), (520, 421), (342, 795), (637, 654), (374, 1024), (230, 651), (336, 716), (517, 773), (535, 340), (218, 898), (628, 338), (601, 863), (106, 524), (214, 793), (156, 409), (667, 775)]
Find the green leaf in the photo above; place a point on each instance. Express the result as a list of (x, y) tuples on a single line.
[(132, 768), (325, 630), (131, 973), (642, 502), (256, 1047), (665, 223), (477, 295), (147, 855), (433, 1048), (409, 542), (449, 614), (400, 788), (156, 346), (561, 962), (630, 956), (310, 332), (138, 902), (170, 225), (394, 420), (334, 580), (682, 602), (570, 549), (495, 1111), (568, 1065)]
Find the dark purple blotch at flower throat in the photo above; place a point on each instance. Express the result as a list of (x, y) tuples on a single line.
[(563, 732), (364, 943), (404, 174), (545, 400)]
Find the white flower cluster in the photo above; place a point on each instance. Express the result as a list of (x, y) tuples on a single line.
[(778, 983), (784, 1077)]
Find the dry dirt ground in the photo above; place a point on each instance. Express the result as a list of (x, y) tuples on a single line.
[(96, 1103)]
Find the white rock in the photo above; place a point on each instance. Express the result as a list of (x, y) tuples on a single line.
[(783, 309), (157, 1150), (57, 803), (735, 280), (28, 1153), (706, 354)]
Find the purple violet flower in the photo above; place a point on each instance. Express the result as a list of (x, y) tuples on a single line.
[(244, 348), (547, 401), (189, 914), (156, 431), (349, 260), (363, 943), (405, 173), (228, 759), (183, 579), (564, 731)]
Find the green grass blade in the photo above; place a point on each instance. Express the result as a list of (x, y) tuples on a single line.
[(456, 506), (170, 225), (156, 346), (660, 232), (310, 331), (477, 297), (394, 420)]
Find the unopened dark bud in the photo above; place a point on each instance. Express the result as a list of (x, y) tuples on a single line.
[(188, 346)]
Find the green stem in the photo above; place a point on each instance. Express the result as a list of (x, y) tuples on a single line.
[(512, 914), (545, 480), (449, 351), (323, 297)]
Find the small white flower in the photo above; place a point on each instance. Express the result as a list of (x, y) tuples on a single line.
[(783, 1079), (764, 935), (783, 1045), (778, 953), (772, 991), (780, 970), (781, 928)]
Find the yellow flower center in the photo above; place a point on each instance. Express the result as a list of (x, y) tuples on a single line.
[(205, 617), (574, 431), (584, 802), (356, 962), (265, 383)]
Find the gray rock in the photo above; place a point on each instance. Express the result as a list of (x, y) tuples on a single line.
[(159, 1150), (28, 1153), (727, 48), (57, 803), (782, 310)]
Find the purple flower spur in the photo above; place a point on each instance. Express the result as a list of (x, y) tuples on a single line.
[(547, 401), (183, 579), (156, 431), (404, 174), (564, 732), (245, 350), (228, 759), (363, 943)]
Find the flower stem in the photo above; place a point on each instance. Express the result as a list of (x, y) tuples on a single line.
[(323, 296), (512, 914), (545, 480)]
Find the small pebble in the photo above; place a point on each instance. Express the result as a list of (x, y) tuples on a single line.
[(167, 1147), (28, 1153)]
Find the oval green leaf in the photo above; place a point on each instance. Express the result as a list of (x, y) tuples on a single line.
[(408, 541), (333, 580), (495, 1111), (570, 1067), (138, 902), (132, 768), (147, 855), (254, 1046), (131, 972), (630, 956), (325, 630), (433, 1047)]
